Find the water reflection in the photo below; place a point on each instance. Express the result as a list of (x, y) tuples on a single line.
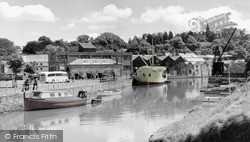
[(132, 116)]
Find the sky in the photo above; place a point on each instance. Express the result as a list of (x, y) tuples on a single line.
[(22, 21)]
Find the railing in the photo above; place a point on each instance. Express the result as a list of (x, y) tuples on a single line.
[(15, 94)]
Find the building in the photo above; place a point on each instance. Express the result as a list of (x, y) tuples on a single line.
[(86, 47), (59, 61), (83, 66), (41, 62), (2, 67)]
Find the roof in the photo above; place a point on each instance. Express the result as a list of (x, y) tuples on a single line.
[(197, 59), (174, 57), (145, 57), (87, 45), (93, 62), (188, 55), (162, 57), (36, 58)]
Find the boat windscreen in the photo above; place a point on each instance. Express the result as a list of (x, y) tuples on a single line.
[(37, 94)]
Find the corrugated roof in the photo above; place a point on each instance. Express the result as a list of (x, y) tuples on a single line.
[(87, 45), (93, 62), (36, 58), (162, 57), (190, 59), (145, 57)]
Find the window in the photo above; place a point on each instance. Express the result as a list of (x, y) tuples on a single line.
[(52, 74), (52, 94), (190, 71), (41, 68), (36, 94), (36, 68), (41, 63)]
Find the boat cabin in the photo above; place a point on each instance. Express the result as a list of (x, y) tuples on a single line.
[(48, 94)]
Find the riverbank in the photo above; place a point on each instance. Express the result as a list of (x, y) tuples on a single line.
[(14, 102), (204, 121)]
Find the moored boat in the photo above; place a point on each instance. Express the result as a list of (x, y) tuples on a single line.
[(150, 75), (212, 99), (39, 100)]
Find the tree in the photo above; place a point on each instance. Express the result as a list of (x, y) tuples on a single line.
[(165, 36), (177, 42), (30, 68), (238, 53), (62, 43), (170, 35), (7, 48), (83, 38), (211, 36), (34, 47), (192, 44), (184, 37), (109, 41), (52, 49), (15, 63)]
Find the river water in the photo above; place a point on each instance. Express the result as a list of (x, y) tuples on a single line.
[(131, 116)]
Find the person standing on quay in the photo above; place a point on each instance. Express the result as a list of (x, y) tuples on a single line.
[(26, 85), (35, 85)]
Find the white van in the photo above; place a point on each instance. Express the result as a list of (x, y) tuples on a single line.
[(54, 76)]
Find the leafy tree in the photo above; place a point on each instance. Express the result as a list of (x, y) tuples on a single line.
[(34, 47), (15, 63), (238, 53), (62, 43), (170, 35), (83, 38), (165, 36), (7, 48), (211, 36), (149, 38), (184, 37), (30, 68), (159, 38), (140, 46), (52, 49), (109, 41), (177, 42), (192, 44)]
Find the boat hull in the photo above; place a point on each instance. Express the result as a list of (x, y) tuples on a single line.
[(150, 75), (40, 104), (149, 83)]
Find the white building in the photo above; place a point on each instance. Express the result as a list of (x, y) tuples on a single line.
[(41, 62)]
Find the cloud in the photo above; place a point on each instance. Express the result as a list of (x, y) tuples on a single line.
[(69, 26), (110, 13), (27, 12), (98, 27), (94, 35), (177, 16)]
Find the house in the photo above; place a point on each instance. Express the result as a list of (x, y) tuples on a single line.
[(190, 69), (83, 66), (168, 62), (138, 61), (206, 69), (86, 47), (197, 69)]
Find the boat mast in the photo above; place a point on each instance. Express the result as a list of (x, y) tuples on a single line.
[(152, 52)]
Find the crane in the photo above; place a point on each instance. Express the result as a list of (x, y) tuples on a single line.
[(218, 65)]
